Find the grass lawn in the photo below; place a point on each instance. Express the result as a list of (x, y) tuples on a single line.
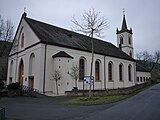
[(95, 100)]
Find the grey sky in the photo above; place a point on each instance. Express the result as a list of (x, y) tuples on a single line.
[(142, 15)]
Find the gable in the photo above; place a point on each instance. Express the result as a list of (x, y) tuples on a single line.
[(24, 37)]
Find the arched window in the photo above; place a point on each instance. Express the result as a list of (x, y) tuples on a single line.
[(81, 68), (130, 73), (110, 71), (22, 40), (121, 40), (97, 70), (121, 72), (31, 64), (11, 69), (129, 40)]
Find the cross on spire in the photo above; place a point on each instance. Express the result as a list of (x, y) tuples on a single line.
[(123, 11), (24, 9)]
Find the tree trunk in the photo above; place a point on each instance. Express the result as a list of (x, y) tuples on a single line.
[(90, 91), (75, 83), (57, 88)]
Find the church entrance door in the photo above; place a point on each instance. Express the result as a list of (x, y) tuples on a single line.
[(31, 81)]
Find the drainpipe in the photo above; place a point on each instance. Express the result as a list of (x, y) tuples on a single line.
[(44, 72), (104, 73)]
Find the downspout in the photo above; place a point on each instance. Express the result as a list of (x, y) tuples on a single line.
[(104, 73), (135, 74), (44, 72)]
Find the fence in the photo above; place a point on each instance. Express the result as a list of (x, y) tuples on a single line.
[(2, 113), (29, 91)]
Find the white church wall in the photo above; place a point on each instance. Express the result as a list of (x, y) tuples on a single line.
[(25, 56), (116, 83), (51, 50), (29, 37), (11, 78)]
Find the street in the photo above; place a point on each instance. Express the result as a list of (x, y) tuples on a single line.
[(143, 106)]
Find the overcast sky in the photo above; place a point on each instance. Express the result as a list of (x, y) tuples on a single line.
[(142, 15)]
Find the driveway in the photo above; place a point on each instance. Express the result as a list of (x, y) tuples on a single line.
[(143, 106)]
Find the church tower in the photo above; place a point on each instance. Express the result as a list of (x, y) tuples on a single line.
[(124, 38)]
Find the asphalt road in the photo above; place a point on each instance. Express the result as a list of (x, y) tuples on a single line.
[(143, 106)]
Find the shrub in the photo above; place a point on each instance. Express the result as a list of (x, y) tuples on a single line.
[(14, 86), (1, 85)]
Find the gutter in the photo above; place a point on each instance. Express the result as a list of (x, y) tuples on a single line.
[(44, 72), (104, 73)]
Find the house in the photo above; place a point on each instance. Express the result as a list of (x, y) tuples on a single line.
[(40, 48)]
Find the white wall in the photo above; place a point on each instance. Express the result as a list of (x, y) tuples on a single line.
[(142, 75), (126, 47), (51, 50)]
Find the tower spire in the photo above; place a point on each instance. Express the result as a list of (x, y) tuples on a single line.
[(124, 24)]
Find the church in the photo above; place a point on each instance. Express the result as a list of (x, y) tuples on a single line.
[(39, 49)]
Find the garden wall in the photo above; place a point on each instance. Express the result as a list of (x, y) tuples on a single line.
[(119, 91)]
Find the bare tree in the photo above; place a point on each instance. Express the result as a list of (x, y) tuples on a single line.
[(145, 57), (75, 73), (57, 75), (92, 25), (148, 59), (156, 59), (6, 29)]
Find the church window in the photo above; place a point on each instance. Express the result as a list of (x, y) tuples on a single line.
[(137, 79), (81, 69), (141, 79), (130, 73), (97, 70), (121, 72), (129, 40), (22, 40), (144, 79), (110, 71), (11, 68), (31, 64), (121, 40)]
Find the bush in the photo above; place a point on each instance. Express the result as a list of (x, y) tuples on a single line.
[(14, 86), (2, 85)]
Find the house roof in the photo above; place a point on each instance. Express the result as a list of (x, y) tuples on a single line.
[(62, 54), (53, 35), (140, 67)]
